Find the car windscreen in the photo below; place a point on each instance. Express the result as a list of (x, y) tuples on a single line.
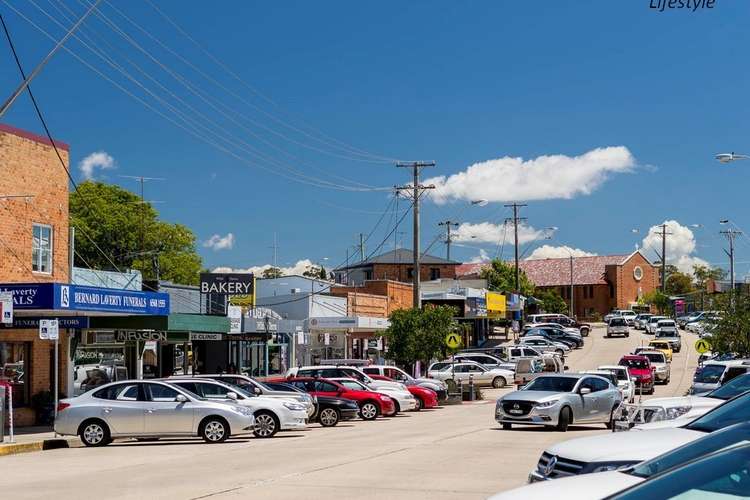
[(695, 449), (617, 322), (709, 374), (619, 374), (634, 363), (733, 388), (553, 384), (732, 412), (654, 357)]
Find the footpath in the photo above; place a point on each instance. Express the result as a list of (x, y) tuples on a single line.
[(28, 439)]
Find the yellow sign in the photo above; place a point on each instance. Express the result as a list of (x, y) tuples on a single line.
[(453, 340), (702, 346), (242, 300), (496, 304)]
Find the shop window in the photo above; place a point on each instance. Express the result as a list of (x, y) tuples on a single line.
[(41, 249), (434, 273), (15, 362)]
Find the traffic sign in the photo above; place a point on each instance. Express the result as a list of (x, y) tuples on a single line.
[(453, 340), (702, 346)]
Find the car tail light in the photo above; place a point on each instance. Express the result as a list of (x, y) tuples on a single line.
[(61, 406)]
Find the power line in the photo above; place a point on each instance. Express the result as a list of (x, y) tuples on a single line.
[(515, 219)]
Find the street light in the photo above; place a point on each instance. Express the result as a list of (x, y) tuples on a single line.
[(730, 157), (480, 203)]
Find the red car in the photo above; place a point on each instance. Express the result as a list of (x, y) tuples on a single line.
[(371, 404), (641, 371), (426, 398)]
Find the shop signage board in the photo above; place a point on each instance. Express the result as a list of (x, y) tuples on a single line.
[(6, 308), (206, 336), (234, 313), (228, 283), (143, 336), (496, 304), (49, 329), (62, 322), (476, 307)]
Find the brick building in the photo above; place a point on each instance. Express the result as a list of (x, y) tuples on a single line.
[(33, 249), (600, 283), (396, 265)]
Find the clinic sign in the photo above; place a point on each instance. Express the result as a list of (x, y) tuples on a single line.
[(64, 297)]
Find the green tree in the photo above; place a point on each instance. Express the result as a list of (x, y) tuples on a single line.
[(312, 272), (703, 274), (657, 299), (551, 301), (323, 273), (130, 235), (679, 283), (419, 334), (272, 272), (501, 278), (732, 331)]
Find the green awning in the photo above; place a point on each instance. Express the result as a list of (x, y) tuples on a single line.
[(177, 322)]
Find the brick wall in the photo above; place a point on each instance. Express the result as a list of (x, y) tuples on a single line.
[(399, 272), (628, 287)]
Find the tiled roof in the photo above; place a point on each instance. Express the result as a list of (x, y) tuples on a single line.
[(400, 256), (556, 272)]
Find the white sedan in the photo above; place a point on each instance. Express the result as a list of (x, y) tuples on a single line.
[(624, 382), (466, 371), (401, 395)]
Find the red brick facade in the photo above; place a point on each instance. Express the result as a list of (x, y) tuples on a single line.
[(31, 167), (402, 272)]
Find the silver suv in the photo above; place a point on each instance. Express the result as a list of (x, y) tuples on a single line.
[(618, 326)]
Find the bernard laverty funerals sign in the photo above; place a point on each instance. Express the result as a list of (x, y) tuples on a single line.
[(228, 283)]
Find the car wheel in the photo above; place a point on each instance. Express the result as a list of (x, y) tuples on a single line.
[(608, 335), (564, 420), (585, 332), (420, 404), (329, 417), (507, 427), (560, 352), (94, 433), (266, 424), (214, 430), (499, 382), (368, 411), (627, 335)]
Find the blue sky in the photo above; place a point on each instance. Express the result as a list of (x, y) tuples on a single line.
[(456, 83)]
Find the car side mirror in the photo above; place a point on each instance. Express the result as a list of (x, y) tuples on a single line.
[(584, 390), (232, 395), (181, 398)]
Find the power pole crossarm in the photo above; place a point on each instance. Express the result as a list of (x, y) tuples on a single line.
[(516, 206), (416, 188), (448, 226)]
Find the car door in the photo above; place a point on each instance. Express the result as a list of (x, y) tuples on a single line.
[(604, 400), (480, 375), (516, 353), (589, 407), (323, 388), (164, 414), (122, 408)]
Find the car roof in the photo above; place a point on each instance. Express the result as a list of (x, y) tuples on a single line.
[(565, 375), (731, 362), (612, 367), (634, 356)]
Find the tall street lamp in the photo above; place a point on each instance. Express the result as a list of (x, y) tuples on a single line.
[(730, 157)]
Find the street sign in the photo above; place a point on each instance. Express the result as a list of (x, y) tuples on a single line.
[(453, 340), (702, 346), (6, 308), (49, 329)]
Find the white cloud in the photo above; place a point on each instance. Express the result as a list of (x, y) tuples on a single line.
[(542, 178), (482, 257), (552, 252), (680, 246), (298, 268), (100, 160), (217, 242), (487, 232)]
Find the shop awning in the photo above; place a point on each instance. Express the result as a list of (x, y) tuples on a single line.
[(353, 323), (177, 322)]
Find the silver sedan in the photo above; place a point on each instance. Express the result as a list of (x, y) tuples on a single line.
[(558, 401), (141, 409)]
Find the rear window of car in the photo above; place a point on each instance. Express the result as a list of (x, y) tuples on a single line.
[(634, 363), (617, 322), (655, 357)]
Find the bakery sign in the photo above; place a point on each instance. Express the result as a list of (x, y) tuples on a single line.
[(228, 283)]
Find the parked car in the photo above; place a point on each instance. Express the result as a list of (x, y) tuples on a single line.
[(253, 386), (271, 415), (629, 316), (666, 329), (423, 396), (512, 353), (557, 326), (342, 371), (556, 335), (527, 369), (686, 408), (486, 360), (561, 319), (716, 373), (639, 322), (396, 374), (559, 401), (597, 485), (662, 367), (695, 317), (658, 345), (329, 411), (652, 322), (148, 409), (641, 372), (401, 397), (611, 451), (544, 344), (618, 326), (624, 381), (463, 371), (371, 404)]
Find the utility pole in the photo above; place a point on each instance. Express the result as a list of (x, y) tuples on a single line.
[(663, 256), (731, 234), (143, 202), (416, 188), (448, 225), (361, 247), (275, 251), (571, 286), (516, 206), (9, 101)]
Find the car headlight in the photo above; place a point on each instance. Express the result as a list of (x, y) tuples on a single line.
[(246, 412), (608, 466), (676, 412), (547, 404), (294, 407), (383, 397)]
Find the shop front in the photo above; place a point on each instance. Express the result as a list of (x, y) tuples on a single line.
[(265, 344), (346, 337), (27, 353)]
